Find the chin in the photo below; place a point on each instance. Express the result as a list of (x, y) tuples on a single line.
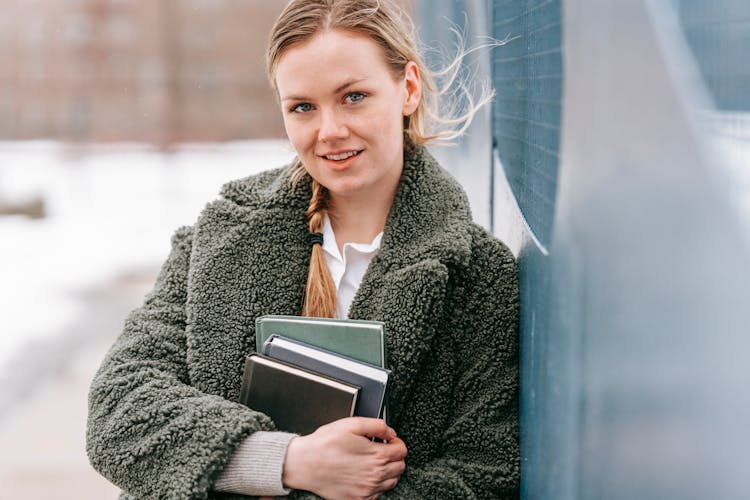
[(346, 188)]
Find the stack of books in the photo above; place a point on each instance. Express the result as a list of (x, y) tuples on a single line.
[(307, 372)]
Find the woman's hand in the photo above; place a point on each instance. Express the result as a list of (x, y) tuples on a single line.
[(340, 461)]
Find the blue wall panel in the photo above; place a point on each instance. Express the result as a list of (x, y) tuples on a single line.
[(527, 75), (617, 188), (718, 33), (632, 313)]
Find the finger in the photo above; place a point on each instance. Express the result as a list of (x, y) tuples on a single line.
[(371, 427), (388, 484), (384, 477), (396, 449), (385, 485), (392, 451), (393, 470)]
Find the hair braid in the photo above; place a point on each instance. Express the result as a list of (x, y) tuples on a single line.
[(320, 293)]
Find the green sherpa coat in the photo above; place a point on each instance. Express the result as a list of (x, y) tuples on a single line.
[(163, 411)]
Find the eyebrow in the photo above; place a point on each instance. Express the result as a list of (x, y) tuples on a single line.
[(340, 88)]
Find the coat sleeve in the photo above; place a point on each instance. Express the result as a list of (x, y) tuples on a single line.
[(480, 457), (149, 431)]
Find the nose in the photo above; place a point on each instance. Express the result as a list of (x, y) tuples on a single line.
[(332, 127)]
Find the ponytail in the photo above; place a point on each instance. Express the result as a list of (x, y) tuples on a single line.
[(320, 293)]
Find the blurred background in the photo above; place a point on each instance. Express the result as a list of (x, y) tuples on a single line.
[(161, 73), (119, 120), (614, 161)]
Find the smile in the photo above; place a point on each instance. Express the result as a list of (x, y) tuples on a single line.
[(341, 156)]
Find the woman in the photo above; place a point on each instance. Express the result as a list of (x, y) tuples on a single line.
[(399, 246)]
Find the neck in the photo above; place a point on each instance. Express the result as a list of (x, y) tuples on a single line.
[(358, 220)]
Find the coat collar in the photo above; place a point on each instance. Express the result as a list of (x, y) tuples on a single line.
[(428, 219)]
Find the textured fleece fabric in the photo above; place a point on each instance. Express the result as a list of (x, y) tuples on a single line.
[(163, 412)]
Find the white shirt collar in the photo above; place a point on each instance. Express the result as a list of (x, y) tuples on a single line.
[(348, 270), (330, 245)]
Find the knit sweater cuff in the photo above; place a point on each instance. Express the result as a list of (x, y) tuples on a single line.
[(256, 466)]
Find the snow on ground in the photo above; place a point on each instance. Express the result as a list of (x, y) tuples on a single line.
[(110, 210)]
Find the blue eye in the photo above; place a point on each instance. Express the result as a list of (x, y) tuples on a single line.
[(355, 97), (303, 107)]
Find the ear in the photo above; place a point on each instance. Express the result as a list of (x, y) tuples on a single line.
[(412, 88)]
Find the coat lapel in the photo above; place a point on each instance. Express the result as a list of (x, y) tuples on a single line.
[(410, 302), (425, 240), (250, 258)]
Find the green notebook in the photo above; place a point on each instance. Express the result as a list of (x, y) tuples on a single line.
[(358, 339)]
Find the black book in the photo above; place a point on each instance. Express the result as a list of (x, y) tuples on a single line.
[(296, 399), (372, 380)]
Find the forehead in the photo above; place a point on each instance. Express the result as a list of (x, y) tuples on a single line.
[(327, 60)]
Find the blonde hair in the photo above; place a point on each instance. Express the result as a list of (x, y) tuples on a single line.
[(320, 293), (386, 23)]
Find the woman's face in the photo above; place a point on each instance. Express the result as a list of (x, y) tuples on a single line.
[(343, 112)]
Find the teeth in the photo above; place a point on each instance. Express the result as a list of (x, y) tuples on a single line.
[(342, 156)]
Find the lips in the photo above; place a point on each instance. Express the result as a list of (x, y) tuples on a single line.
[(340, 156)]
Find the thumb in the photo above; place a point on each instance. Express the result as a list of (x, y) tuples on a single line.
[(372, 427)]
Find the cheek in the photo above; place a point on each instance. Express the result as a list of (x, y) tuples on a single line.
[(295, 133), (385, 122)]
